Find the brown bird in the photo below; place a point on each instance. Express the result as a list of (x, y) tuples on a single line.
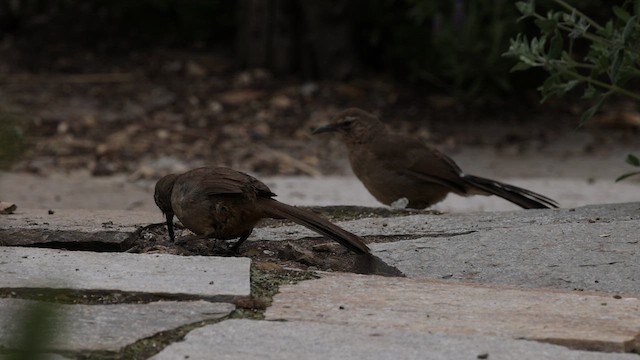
[(393, 166), (225, 204)]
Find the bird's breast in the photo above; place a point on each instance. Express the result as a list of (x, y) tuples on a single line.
[(218, 216), (387, 180)]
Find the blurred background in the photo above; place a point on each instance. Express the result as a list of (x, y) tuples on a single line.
[(104, 97)]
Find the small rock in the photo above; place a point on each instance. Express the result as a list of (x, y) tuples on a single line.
[(162, 134), (7, 208), (63, 127), (281, 102), (194, 69), (326, 247), (308, 89), (215, 107), (299, 254), (238, 97), (89, 120), (268, 266)]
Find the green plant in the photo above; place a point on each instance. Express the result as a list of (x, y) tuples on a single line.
[(11, 138), (38, 324), (578, 52), (633, 161), (467, 41), (455, 46)]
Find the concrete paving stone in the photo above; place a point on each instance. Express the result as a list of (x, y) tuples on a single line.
[(108, 327), (599, 256), (462, 223), (47, 356), (588, 321), (220, 278), (37, 226), (76, 190), (115, 226), (441, 225), (569, 192), (264, 340), (572, 181)]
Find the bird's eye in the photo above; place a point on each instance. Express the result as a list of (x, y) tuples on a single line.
[(347, 122)]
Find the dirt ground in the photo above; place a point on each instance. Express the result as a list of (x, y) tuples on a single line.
[(149, 113), (91, 123), (99, 132)]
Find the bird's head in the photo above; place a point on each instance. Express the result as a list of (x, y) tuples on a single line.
[(162, 194), (162, 197), (355, 126)]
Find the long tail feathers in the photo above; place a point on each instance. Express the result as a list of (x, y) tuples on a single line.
[(519, 196), (276, 209)]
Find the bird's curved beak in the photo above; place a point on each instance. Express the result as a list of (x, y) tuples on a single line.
[(325, 128)]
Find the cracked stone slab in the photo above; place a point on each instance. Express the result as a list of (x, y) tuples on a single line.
[(454, 224), (37, 226), (45, 356), (597, 256), (588, 321), (220, 278), (107, 327), (265, 340)]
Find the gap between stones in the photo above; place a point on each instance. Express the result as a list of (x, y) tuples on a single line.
[(274, 263), (265, 283)]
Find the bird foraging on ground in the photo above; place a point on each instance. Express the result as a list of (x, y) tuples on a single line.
[(225, 204), (395, 166)]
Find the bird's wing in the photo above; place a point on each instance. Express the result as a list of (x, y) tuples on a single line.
[(415, 159), (225, 181)]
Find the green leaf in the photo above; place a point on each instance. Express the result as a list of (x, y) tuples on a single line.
[(569, 18), (591, 111), (621, 13), (607, 32), (547, 26), (520, 67), (590, 92), (537, 45), (555, 46), (632, 160), (628, 29), (616, 62), (622, 177), (549, 86), (526, 8)]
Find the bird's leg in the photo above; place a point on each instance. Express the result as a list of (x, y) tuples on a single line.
[(242, 239), (170, 226)]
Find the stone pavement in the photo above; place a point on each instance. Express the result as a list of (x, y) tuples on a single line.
[(574, 183), (110, 327), (436, 306), (539, 284), (293, 340), (111, 228), (205, 277)]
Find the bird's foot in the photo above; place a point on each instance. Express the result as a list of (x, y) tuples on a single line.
[(400, 203)]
